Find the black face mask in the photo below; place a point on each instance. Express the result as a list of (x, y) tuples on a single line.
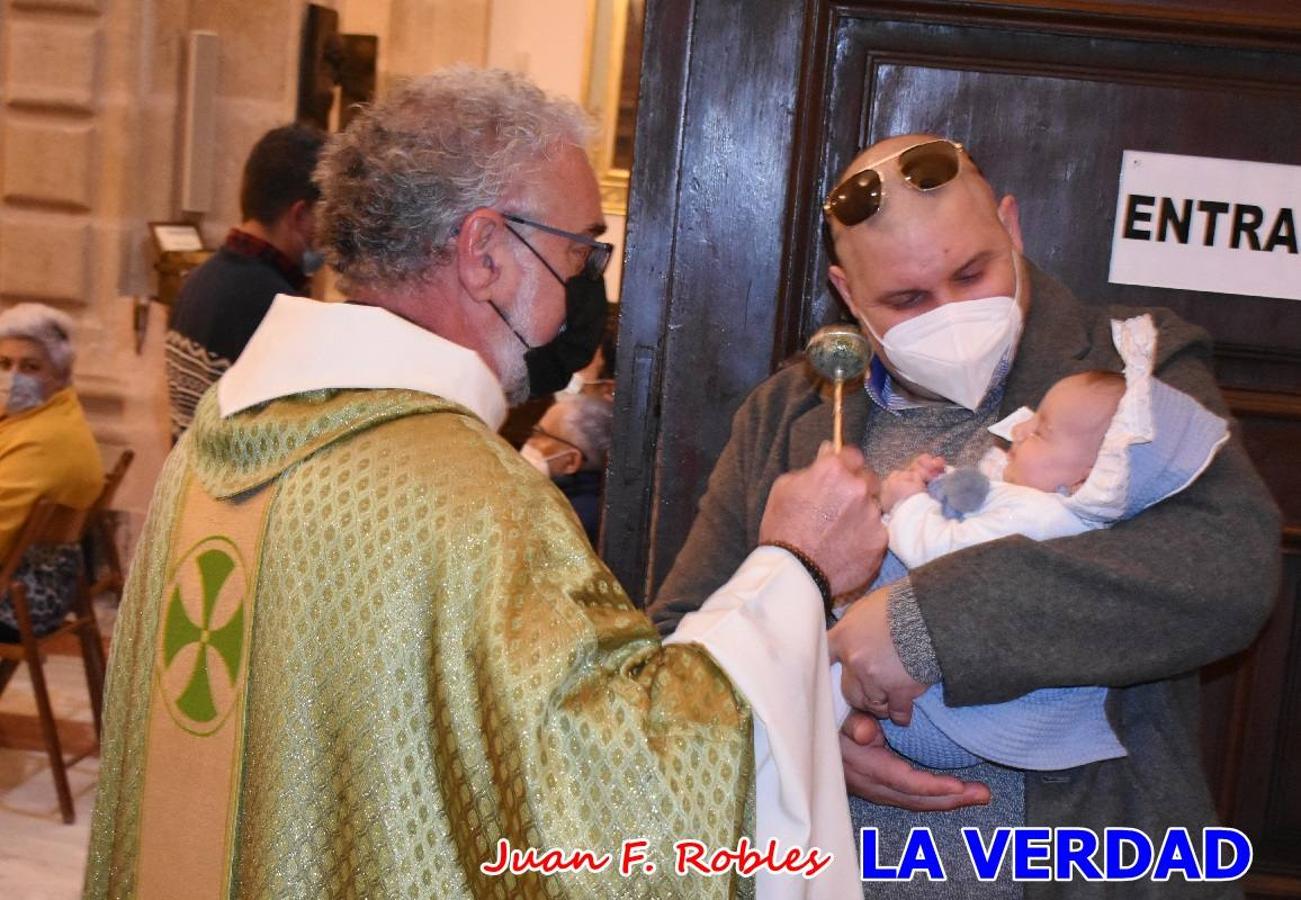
[(554, 363), (551, 365)]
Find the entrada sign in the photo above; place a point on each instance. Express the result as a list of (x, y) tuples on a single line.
[(1196, 223)]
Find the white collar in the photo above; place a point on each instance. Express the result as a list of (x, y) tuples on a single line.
[(308, 345)]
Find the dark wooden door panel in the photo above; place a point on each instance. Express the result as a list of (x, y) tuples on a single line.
[(700, 283), (1266, 787), (1047, 116)]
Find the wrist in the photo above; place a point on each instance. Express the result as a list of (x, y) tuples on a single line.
[(815, 572), (909, 634)]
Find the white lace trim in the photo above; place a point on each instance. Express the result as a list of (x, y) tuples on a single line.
[(1103, 496)]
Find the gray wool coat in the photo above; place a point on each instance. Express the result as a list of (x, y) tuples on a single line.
[(1139, 607)]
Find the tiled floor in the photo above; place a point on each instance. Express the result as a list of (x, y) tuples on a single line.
[(40, 857)]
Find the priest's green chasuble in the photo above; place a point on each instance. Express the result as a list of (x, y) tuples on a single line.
[(362, 642)]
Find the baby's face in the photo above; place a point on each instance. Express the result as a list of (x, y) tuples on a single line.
[(1056, 448)]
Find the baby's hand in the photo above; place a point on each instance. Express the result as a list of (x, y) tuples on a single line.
[(912, 479), (899, 484), (928, 466)]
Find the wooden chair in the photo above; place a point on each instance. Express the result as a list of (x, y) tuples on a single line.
[(114, 578), (53, 524)]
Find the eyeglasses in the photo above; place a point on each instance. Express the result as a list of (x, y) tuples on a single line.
[(924, 166), (598, 253)]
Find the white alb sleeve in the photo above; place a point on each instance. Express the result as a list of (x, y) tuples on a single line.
[(765, 628)]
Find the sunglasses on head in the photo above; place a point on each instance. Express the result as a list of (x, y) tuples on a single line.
[(925, 167)]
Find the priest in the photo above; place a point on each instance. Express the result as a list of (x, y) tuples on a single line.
[(365, 648)]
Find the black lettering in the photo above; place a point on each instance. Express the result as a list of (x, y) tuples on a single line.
[(1246, 219), (1212, 208), (1133, 215), (1283, 232), (1182, 224)]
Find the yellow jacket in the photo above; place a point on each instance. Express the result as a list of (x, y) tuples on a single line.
[(46, 452)]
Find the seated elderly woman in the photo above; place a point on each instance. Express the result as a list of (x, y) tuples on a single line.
[(46, 451)]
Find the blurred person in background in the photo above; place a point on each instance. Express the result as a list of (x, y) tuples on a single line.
[(570, 445), (46, 452), (273, 251), (597, 377)]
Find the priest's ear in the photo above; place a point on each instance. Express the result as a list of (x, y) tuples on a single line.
[(480, 252)]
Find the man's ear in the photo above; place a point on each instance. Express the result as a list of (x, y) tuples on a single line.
[(840, 281), (478, 252), (569, 462), (299, 220), (301, 215), (1009, 213)]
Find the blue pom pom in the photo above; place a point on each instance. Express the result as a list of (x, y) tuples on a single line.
[(960, 492)]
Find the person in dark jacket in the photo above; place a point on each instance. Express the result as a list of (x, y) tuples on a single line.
[(966, 330), (273, 251)]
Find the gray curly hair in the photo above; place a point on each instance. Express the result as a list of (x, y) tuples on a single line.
[(585, 422), (398, 182), (46, 326)]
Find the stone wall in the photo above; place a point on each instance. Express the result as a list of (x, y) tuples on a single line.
[(90, 109)]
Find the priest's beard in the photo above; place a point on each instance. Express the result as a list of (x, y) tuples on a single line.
[(508, 350)]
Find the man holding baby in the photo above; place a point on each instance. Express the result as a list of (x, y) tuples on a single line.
[(965, 331)]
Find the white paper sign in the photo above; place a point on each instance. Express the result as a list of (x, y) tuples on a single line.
[(177, 238), (1202, 224)]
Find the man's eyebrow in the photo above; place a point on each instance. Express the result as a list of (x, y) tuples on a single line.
[(596, 229), (982, 256)]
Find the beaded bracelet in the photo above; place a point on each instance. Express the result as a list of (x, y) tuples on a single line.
[(815, 571)]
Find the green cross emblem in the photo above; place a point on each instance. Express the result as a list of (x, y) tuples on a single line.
[(189, 621)]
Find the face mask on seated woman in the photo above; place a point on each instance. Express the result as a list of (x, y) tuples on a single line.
[(20, 392)]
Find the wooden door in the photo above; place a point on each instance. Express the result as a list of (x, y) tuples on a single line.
[(749, 109)]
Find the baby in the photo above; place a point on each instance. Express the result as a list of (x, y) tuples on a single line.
[(1100, 448), (1053, 451)]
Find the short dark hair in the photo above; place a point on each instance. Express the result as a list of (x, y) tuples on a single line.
[(278, 172)]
